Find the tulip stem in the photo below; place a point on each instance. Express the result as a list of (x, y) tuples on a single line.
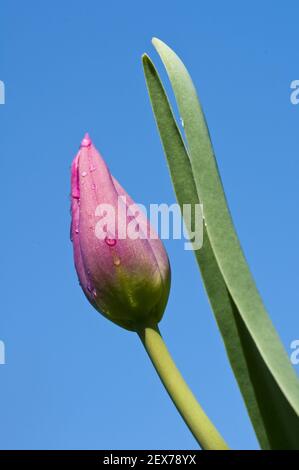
[(195, 418)]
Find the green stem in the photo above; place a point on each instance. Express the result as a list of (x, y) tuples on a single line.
[(197, 421)]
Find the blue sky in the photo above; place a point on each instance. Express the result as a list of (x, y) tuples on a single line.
[(72, 379)]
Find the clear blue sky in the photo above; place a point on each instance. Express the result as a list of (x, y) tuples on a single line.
[(73, 379)]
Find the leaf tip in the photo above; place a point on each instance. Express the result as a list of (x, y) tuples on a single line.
[(147, 63), (155, 41)]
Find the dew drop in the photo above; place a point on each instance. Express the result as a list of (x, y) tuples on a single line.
[(92, 168), (94, 293), (116, 261), (77, 230), (83, 173), (110, 241), (88, 287), (76, 193), (182, 122), (86, 142), (93, 187)]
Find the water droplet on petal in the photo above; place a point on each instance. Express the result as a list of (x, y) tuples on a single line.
[(94, 293), (88, 287), (110, 241), (83, 173), (93, 186), (116, 261), (92, 168), (77, 230), (76, 193), (86, 142)]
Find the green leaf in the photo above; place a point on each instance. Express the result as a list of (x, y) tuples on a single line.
[(266, 379)]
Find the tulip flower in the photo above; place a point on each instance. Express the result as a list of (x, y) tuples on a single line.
[(124, 272), (125, 277)]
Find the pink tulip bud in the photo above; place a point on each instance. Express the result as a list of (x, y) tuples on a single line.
[(121, 263)]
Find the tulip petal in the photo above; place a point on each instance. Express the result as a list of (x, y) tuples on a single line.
[(126, 279)]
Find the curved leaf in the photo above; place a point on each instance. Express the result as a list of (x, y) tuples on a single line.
[(265, 377)]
